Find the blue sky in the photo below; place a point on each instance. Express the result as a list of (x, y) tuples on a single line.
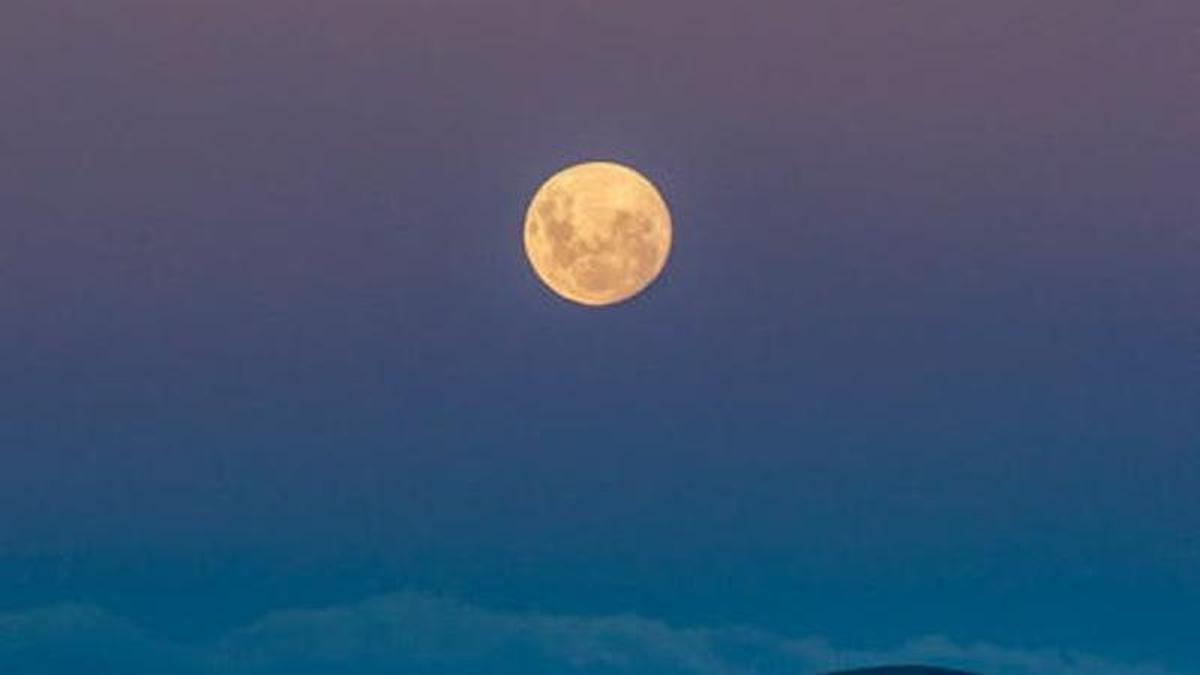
[(923, 362)]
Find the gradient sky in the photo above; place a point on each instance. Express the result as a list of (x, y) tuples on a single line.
[(925, 359)]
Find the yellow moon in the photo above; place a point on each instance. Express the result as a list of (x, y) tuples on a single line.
[(598, 233)]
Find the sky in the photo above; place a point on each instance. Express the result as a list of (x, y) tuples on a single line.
[(920, 382)]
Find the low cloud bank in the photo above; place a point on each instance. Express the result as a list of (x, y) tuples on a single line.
[(416, 634)]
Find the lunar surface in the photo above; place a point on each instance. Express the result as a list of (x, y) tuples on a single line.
[(598, 233)]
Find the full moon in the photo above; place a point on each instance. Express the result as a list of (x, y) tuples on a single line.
[(597, 233)]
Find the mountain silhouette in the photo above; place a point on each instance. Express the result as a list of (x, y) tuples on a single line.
[(901, 670)]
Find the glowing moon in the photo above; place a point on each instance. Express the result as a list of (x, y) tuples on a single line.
[(598, 233)]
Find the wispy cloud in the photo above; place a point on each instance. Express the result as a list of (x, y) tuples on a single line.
[(418, 634)]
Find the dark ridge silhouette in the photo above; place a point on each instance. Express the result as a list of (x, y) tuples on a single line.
[(901, 670)]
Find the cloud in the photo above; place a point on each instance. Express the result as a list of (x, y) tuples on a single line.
[(417, 634), (82, 639)]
